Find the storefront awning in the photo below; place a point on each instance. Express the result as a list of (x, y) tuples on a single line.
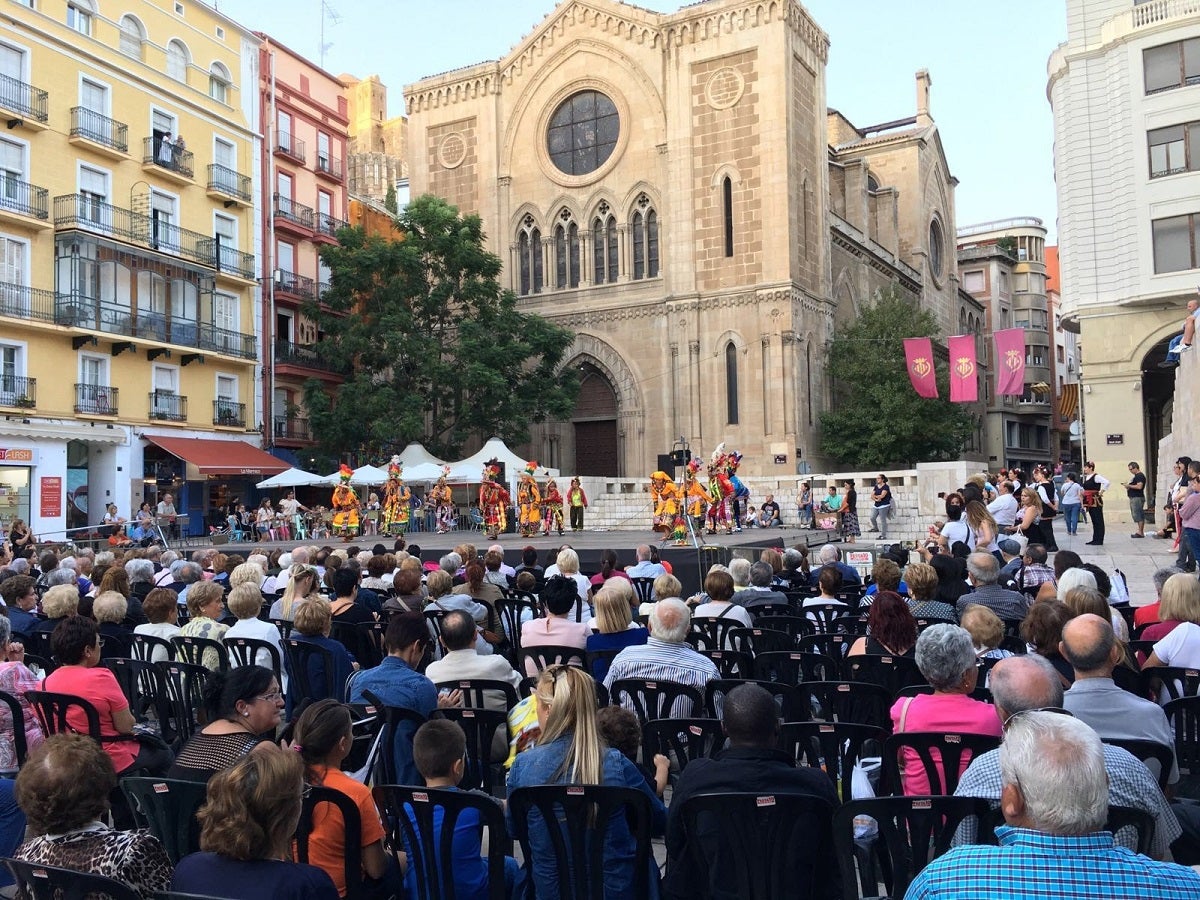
[(42, 429), (220, 457)]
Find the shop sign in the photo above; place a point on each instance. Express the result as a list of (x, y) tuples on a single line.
[(18, 456), (52, 497)]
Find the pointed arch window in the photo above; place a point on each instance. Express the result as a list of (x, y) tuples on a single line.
[(727, 211), (529, 258), (644, 225), (566, 251), (605, 252), (731, 383)]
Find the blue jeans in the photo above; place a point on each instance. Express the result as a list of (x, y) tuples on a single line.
[(1070, 511), (1192, 537)]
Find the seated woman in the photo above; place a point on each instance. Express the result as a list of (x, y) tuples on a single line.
[(922, 581), (58, 603), (15, 679), (206, 604), (946, 657), (1180, 644), (893, 628), (559, 629), (313, 624), (408, 597), (109, 611), (303, 584), (64, 789), (569, 751), (610, 567), (244, 707), (247, 825), (245, 602), (161, 607), (76, 646), (323, 738), (1042, 629), (719, 588), (616, 629), (986, 630)]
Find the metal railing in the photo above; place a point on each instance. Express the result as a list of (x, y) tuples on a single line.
[(81, 311), (291, 283), (24, 198), (329, 165), (292, 430), (24, 98), (168, 407), (289, 210), (167, 154), (323, 288), (86, 212), (98, 128), (298, 355), (290, 145), (229, 413), (229, 182), (327, 224), (18, 391), (18, 301), (96, 399), (229, 259)]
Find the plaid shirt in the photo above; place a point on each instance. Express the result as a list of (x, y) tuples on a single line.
[(1129, 784), (1034, 864), (1034, 575)]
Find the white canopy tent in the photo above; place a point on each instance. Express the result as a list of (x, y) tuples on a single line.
[(415, 455), (423, 473), (363, 475), (471, 468), (292, 478)]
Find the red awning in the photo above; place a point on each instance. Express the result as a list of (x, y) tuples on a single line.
[(221, 457)]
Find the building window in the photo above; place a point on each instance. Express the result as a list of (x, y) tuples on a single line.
[(133, 36), (937, 250), (727, 212), (1004, 283), (12, 374), (177, 60), (1175, 243), (583, 133), (79, 16), (974, 282), (605, 257), (1171, 65), (731, 384), (529, 248), (645, 243), (809, 380), (1171, 149), (219, 81), (566, 252)]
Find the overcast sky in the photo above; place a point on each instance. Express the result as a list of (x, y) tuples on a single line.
[(987, 61)]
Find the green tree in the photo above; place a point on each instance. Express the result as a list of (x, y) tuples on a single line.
[(433, 348), (877, 419), (389, 200)]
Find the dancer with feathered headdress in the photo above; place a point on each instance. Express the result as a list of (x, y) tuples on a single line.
[(442, 498), (719, 490), (345, 505), (529, 501), (397, 500), (493, 500)]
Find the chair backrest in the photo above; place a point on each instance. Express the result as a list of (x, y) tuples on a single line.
[(759, 846), (311, 683), (788, 700), (826, 618), (16, 717), (168, 808), (1161, 755), (1135, 682), (924, 622), (116, 644), (794, 667), (577, 818), (682, 740), (1173, 682), (913, 831), (730, 663), (140, 682), (643, 589), (980, 693), (832, 746), (184, 684), (600, 661), (39, 882), (199, 651), (244, 651), (893, 672), (847, 701), (351, 829), (656, 699), (715, 630), (148, 648), (1119, 819), (399, 725), (285, 627), (433, 618), (548, 655), (1184, 716), (943, 756), (39, 643), (480, 727), (478, 691), (760, 640), (796, 626), (53, 710), (358, 643), (764, 614), (423, 823), (835, 646)]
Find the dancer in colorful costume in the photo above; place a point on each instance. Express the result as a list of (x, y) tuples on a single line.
[(345, 505), (719, 489), (529, 500), (664, 499), (442, 498), (493, 500), (741, 493), (552, 501), (577, 502), (695, 494), (397, 500)]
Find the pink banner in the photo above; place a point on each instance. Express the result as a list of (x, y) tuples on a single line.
[(964, 379), (1010, 362), (918, 356)]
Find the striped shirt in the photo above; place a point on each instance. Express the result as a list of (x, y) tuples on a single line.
[(1034, 864), (658, 660)]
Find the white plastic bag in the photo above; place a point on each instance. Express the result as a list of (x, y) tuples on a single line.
[(861, 789)]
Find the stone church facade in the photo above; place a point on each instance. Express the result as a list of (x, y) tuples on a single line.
[(674, 190)]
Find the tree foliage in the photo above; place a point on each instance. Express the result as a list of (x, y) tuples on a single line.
[(877, 419), (390, 202), (434, 348)]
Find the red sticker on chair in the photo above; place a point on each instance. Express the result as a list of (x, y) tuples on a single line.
[(764, 801)]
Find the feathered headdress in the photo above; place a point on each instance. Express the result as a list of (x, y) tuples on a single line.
[(394, 468), (693, 465), (660, 476), (345, 473), (531, 467), (733, 460), (491, 470)]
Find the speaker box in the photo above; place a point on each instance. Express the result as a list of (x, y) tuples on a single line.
[(666, 462)]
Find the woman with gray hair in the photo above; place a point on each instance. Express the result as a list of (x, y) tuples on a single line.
[(946, 657)]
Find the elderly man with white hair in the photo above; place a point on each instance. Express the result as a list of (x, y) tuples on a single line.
[(666, 655), (829, 555), (1054, 797)]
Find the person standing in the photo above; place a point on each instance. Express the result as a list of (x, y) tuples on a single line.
[(1044, 488), (881, 505), (1135, 490), (577, 503), (1094, 487), (849, 513), (1071, 502)]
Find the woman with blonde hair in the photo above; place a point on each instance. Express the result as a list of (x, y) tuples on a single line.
[(303, 584), (984, 527), (1029, 516), (246, 828), (568, 567), (616, 629), (571, 751), (1179, 603), (986, 630)]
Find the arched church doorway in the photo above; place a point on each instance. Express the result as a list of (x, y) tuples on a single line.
[(597, 445), (1158, 395)]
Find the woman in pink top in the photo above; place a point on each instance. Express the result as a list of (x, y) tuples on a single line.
[(946, 657), (559, 628)]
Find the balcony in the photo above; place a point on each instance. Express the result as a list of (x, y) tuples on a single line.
[(169, 159), (85, 212), (96, 400), (292, 147), (229, 186), (292, 216), (230, 260), (166, 406), (323, 288), (22, 204), (289, 354), (327, 226), (329, 167), (89, 313), (18, 392), (292, 430), (229, 414), (97, 132), (24, 104), (298, 286), (19, 301)]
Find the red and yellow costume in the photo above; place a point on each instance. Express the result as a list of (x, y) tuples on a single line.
[(719, 489), (345, 505), (493, 500), (529, 500), (552, 501), (695, 495), (397, 500), (442, 498), (664, 498)]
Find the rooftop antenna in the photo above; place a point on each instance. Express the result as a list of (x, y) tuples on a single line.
[(335, 18)]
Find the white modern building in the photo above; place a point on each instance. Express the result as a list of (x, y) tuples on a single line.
[(1125, 89)]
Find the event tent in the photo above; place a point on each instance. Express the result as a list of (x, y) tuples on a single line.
[(363, 475), (292, 478), (415, 455), (425, 472), (471, 468)]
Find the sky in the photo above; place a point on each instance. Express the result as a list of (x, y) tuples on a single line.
[(987, 62)]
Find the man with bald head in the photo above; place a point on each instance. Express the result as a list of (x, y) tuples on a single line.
[(1023, 683), (1089, 645)]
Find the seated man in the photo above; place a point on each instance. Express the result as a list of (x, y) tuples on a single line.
[(1054, 795), (760, 592), (768, 515), (983, 570), (1184, 340), (829, 555), (1020, 684), (751, 762), (644, 568)]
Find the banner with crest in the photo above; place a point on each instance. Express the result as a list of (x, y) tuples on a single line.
[(964, 378), (918, 357), (1010, 362)]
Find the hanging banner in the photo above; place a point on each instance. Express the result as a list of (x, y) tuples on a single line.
[(1010, 362), (918, 356), (964, 377)]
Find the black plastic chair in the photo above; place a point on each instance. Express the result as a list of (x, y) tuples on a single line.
[(301, 656), (480, 726), (924, 622), (397, 724), (140, 682), (1184, 716), (549, 655), (1173, 681), (600, 661), (715, 630), (942, 772), (893, 672), (144, 646), (168, 808), (654, 699), (1119, 818), (788, 700), (584, 813), (834, 646), (194, 651), (352, 831), (433, 618), (38, 643), (847, 701), (483, 693), (796, 626), (1149, 751), (832, 746), (760, 640), (244, 651), (763, 614), (794, 667), (17, 718), (643, 589), (758, 846), (429, 845), (982, 694), (285, 627), (512, 609), (913, 831), (682, 740), (184, 685), (730, 663), (828, 618), (43, 664), (358, 643), (40, 882), (52, 710)]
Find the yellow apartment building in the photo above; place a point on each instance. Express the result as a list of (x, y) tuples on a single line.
[(129, 358)]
